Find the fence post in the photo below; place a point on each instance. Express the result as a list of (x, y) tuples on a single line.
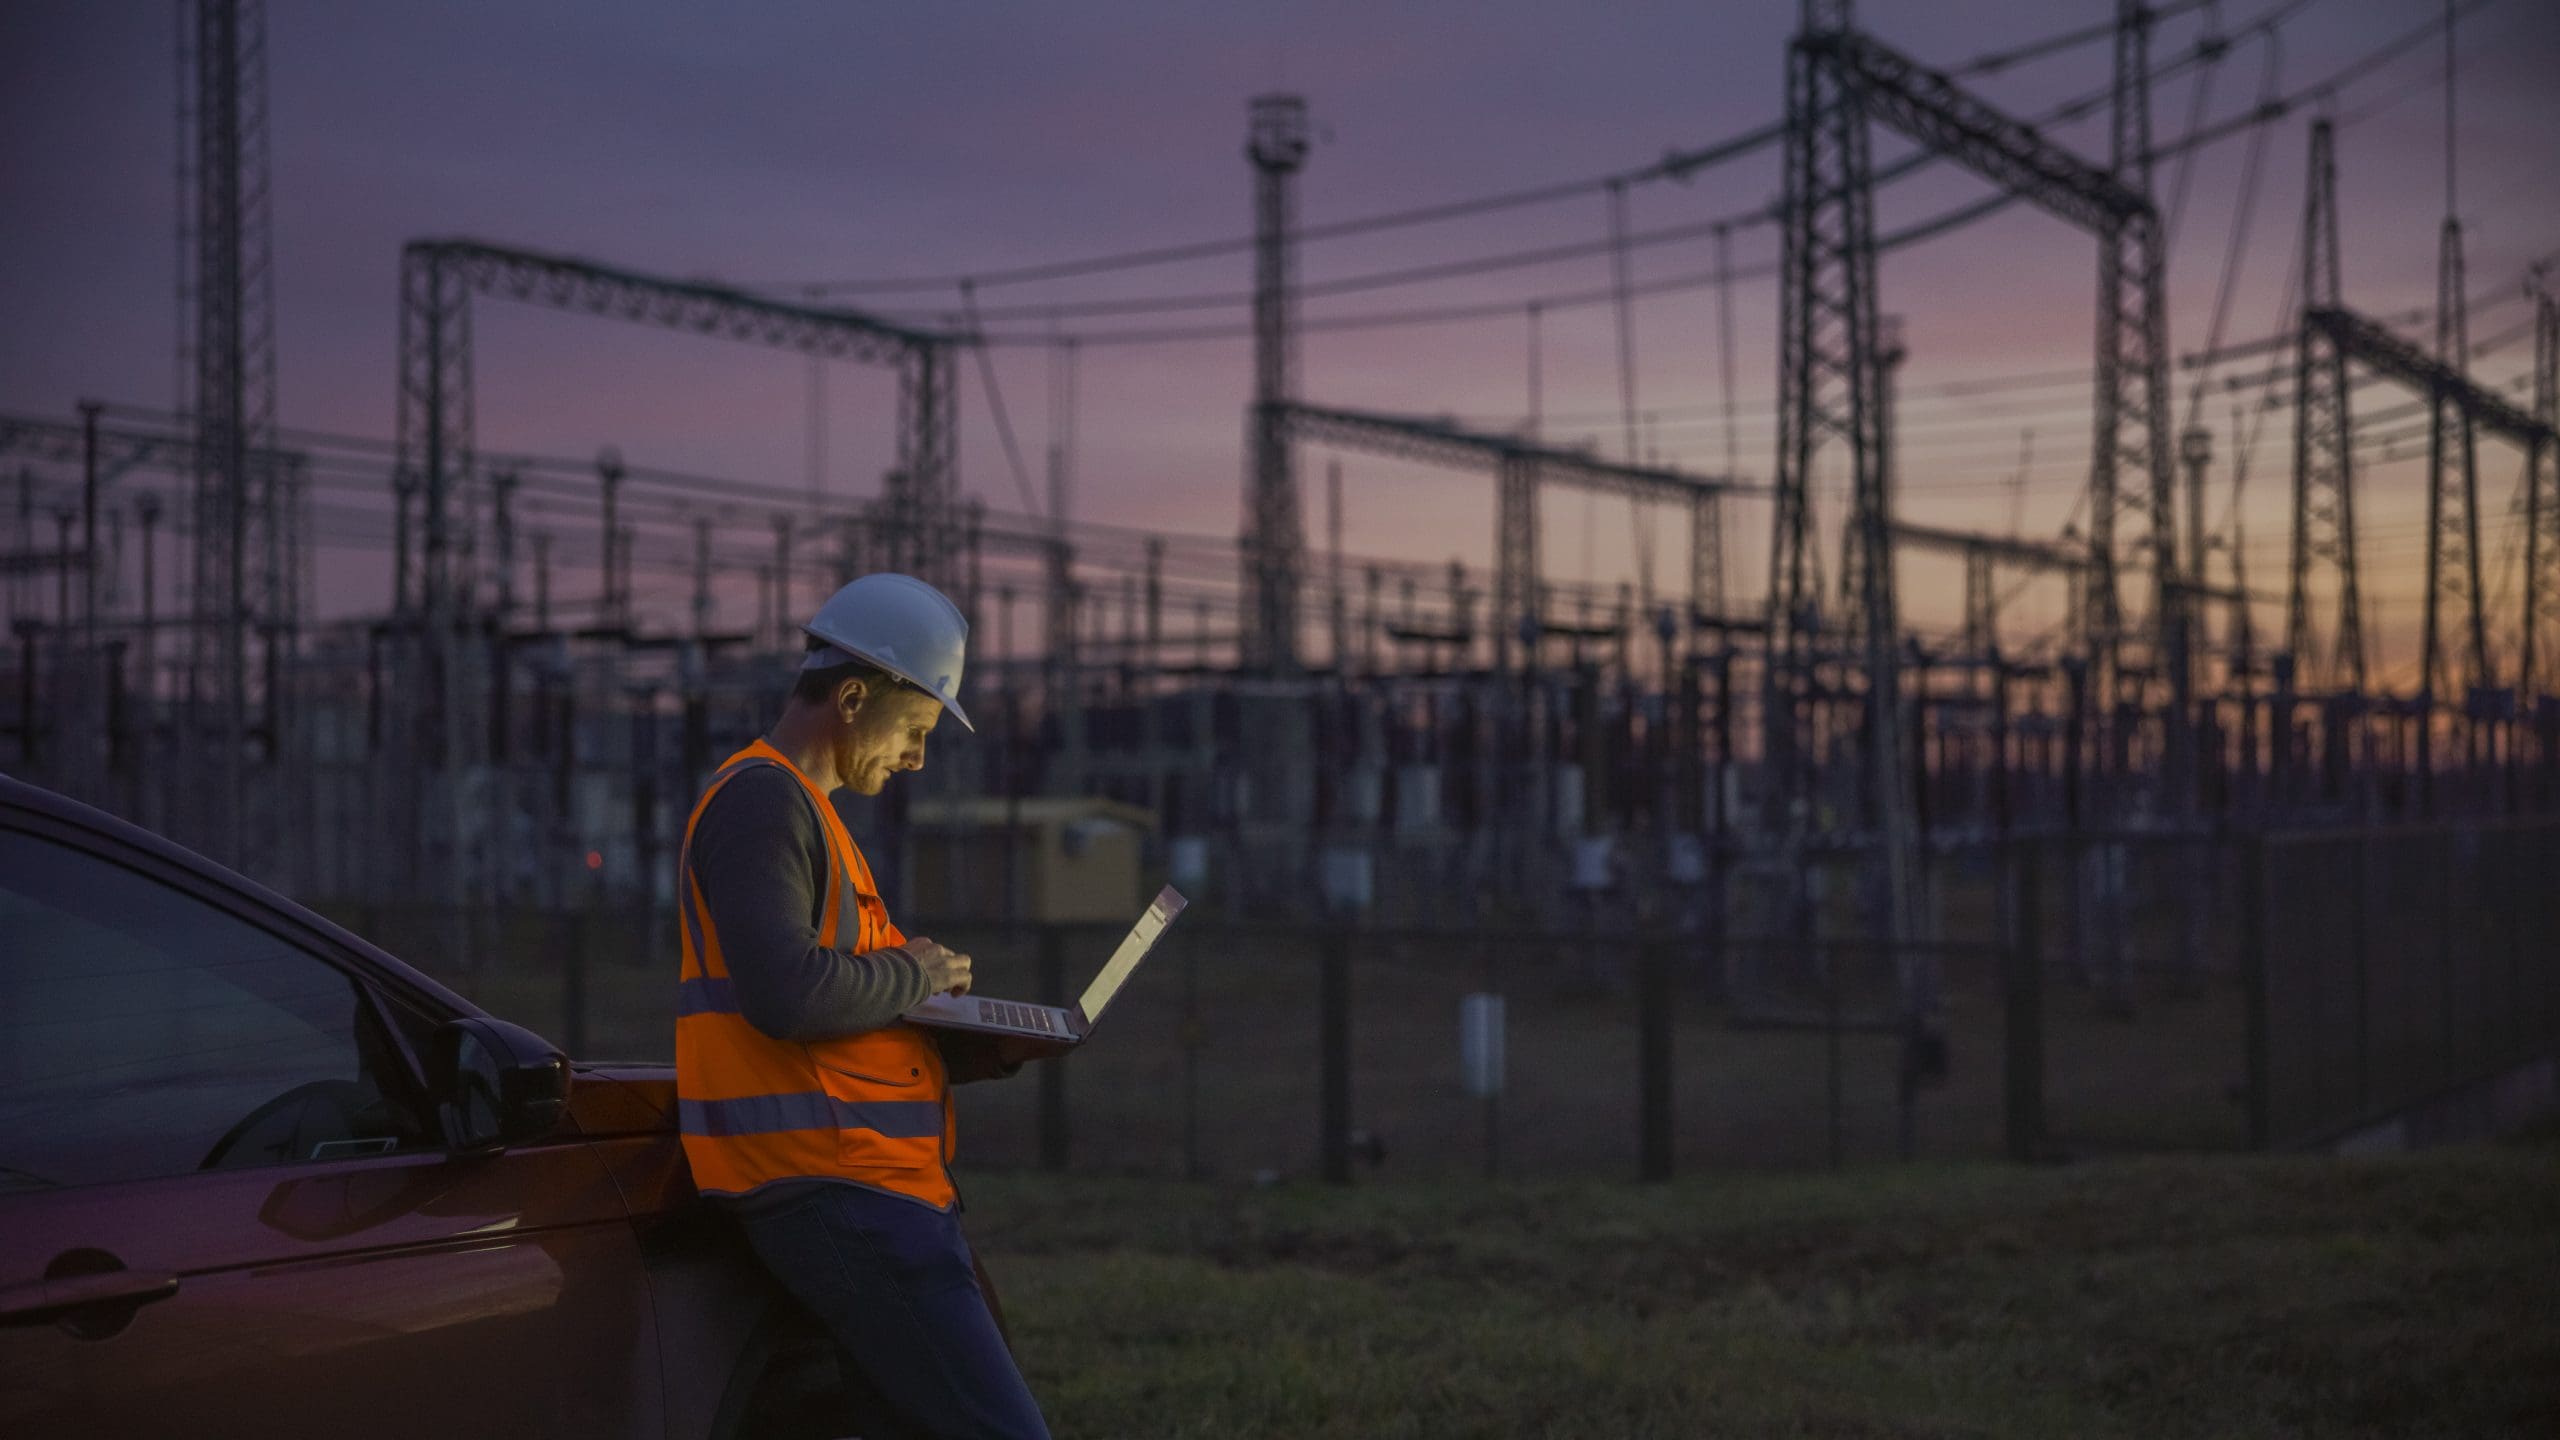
[(1653, 1059), (1053, 1077), (2253, 974), (2450, 1067), (1827, 965), (1333, 1005), (2360, 947), (2022, 1051), (1193, 1033)]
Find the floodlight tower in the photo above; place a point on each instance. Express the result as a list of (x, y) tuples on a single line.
[(1274, 542), (228, 332)]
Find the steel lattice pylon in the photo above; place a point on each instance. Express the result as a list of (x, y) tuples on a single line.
[(439, 279), (1825, 355), (1706, 558), (2324, 499), (1274, 537), (1832, 360), (2542, 506), (2132, 413), (2464, 408), (922, 531), (435, 413), (2453, 499), (1828, 280)]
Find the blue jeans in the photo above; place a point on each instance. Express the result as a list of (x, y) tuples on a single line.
[(892, 1282)]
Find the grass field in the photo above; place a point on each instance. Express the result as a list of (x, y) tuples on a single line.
[(2411, 1296)]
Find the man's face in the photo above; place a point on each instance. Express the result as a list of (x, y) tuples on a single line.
[(885, 735)]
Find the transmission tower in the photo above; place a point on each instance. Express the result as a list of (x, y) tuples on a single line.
[(1274, 541), (1832, 363), (2133, 383), (230, 331), (2542, 501), (2324, 509), (1826, 357), (1827, 346), (2453, 500)]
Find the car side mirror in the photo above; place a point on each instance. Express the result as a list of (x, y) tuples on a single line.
[(497, 1084)]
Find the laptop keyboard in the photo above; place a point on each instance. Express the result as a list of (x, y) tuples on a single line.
[(1017, 1017)]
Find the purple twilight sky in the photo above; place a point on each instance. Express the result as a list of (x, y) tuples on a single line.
[(803, 142)]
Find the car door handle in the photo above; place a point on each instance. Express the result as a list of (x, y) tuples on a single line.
[(39, 1301)]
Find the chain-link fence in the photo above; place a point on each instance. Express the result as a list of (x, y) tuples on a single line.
[(2094, 994)]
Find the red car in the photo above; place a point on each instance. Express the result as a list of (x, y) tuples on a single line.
[(258, 1178)]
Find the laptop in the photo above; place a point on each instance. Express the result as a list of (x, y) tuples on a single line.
[(1066, 1027)]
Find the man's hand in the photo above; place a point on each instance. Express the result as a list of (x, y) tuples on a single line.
[(947, 968)]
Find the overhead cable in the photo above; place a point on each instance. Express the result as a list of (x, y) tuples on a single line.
[(2262, 114), (1676, 165)]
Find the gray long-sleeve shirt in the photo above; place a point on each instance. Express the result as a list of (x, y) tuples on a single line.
[(761, 860)]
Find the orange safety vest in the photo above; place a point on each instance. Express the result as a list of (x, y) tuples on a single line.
[(873, 1108)]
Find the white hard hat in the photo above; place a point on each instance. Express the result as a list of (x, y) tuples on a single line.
[(900, 624)]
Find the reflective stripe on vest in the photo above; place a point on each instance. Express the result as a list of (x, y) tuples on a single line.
[(873, 1108)]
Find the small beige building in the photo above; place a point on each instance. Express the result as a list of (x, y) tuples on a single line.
[(1072, 857)]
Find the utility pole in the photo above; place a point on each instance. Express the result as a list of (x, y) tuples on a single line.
[(1273, 540), (1333, 561), (147, 507), (1155, 606), (781, 631), (64, 517), (23, 589), (2244, 651), (89, 526), (404, 491), (542, 581), (609, 474), (701, 577), (502, 491), (1369, 633), (2195, 453)]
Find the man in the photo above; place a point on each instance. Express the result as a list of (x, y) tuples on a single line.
[(807, 1106)]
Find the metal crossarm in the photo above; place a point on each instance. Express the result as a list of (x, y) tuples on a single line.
[(1932, 109), (121, 451), (2368, 341), (1520, 467), (2030, 554), (1441, 443), (566, 283)]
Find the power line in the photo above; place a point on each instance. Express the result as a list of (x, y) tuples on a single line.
[(2264, 113), (1906, 166), (1676, 165)]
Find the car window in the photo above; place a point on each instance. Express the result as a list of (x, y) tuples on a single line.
[(145, 1032)]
